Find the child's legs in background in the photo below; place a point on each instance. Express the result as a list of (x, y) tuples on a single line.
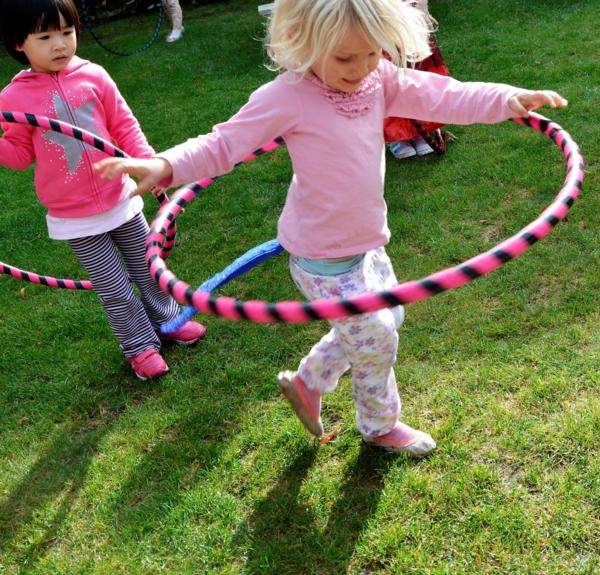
[(174, 12), (126, 314), (366, 343), (130, 238)]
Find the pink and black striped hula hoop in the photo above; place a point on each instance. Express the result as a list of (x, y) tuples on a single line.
[(409, 292), (79, 134)]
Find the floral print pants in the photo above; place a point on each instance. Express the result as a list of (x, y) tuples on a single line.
[(173, 9), (366, 344)]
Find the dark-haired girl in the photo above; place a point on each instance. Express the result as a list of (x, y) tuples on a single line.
[(104, 226)]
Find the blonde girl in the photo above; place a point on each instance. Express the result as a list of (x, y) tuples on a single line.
[(329, 103)]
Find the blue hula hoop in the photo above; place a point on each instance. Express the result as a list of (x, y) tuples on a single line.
[(251, 259)]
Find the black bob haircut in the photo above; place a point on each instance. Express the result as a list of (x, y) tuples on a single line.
[(23, 17)]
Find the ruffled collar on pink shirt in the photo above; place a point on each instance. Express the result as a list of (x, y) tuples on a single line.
[(350, 104)]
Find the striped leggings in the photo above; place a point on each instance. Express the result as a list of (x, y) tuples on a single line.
[(134, 321), (173, 9)]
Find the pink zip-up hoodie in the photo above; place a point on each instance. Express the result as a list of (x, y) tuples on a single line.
[(83, 94)]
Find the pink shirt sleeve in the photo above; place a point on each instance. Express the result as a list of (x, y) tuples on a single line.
[(271, 111), (442, 99)]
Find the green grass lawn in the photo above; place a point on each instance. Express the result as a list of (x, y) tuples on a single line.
[(207, 470)]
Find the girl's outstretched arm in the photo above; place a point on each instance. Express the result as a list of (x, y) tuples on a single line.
[(270, 112), (150, 172), (416, 94)]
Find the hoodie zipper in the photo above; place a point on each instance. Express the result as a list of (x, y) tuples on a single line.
[(84, 155)]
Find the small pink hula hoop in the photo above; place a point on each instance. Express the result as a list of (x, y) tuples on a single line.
[(98, 143), (412, 291)]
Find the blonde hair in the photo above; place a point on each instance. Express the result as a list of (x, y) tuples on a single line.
[(302, 31)]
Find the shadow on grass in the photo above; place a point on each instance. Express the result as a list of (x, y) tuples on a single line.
[(189, 446), (281, 535), (35, 514), (51, 486), (73, 424)]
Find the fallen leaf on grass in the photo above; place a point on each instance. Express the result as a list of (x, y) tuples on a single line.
[(328, 436)]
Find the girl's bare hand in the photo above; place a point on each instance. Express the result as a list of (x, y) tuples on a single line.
[(521, 104), (149, 172)]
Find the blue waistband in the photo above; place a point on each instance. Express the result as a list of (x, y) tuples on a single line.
[(328, 267)]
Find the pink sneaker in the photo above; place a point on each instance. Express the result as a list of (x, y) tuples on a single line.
[(148, 364), (305, 402), (190, 332), (404, 439)]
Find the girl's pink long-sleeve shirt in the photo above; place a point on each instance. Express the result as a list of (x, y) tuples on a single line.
[(335, 205), (82, 94)]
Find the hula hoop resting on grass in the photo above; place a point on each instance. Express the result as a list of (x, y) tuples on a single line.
[(87, 20)]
